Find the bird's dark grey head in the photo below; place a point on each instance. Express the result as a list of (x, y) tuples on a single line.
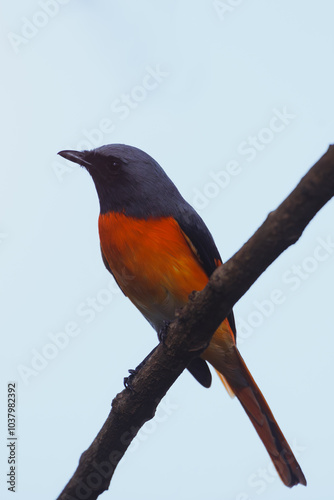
[(128, 180)]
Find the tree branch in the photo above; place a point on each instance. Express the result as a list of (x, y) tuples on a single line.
[(191, 331)]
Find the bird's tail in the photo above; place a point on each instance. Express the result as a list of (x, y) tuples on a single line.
[(239, 380)]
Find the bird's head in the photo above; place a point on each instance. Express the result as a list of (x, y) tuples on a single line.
[(127, 180)]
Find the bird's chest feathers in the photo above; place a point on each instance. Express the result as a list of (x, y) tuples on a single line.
[(150, 258), (136, 245)]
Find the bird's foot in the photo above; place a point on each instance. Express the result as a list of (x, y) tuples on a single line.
[(162, 333), (128, 380)]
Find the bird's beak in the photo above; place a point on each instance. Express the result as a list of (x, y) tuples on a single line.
[(76, 157)]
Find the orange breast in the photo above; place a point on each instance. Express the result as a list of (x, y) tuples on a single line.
[(151, 260), (156, 268)]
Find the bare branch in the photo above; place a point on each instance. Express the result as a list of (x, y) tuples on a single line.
[(190, 333)]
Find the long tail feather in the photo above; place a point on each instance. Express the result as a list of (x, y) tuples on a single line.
[(240, 381)]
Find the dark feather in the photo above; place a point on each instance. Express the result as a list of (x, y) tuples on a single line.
[(201, 241), (200, 370)]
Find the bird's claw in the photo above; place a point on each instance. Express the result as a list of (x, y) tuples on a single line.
[(162, 333), (128, 380)]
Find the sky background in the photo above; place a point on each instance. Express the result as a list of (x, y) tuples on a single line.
[(243, 92)]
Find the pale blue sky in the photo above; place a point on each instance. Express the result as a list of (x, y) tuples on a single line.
[(235, 108)]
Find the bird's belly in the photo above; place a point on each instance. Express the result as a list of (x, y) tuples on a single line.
[(152, 263)]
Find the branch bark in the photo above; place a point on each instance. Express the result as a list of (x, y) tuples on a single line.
[(191, 331)]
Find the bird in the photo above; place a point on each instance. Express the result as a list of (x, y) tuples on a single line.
[(159, 251)]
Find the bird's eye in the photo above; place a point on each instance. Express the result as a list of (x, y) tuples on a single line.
[(115, 164)]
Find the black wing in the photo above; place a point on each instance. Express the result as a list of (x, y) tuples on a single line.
[(202, 243)]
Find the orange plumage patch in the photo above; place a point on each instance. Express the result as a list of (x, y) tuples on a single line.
[(149, 257), (155, 265)]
